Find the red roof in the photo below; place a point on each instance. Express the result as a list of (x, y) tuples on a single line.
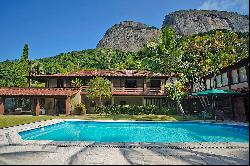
[(37, 92), (108, 73)]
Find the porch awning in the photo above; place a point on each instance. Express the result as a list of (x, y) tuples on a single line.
[(37, 91)]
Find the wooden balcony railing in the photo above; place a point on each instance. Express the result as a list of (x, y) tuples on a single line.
[(154, 90), (128, 90), (116, 90)]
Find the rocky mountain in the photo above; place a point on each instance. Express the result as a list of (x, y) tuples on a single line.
[(189, 22), (132, 36), (128, 36)]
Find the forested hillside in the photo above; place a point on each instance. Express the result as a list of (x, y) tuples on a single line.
[(202, 51)]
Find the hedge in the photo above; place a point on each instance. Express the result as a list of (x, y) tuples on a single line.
[(135, 110)]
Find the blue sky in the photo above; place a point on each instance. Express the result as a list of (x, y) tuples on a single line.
[(51, 27)]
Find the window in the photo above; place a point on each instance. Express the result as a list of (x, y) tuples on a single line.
[(243, 74), (130, 84), (218, 81), (159, 102), (224, 79), (60, 83), (208, 83), (155, 83), (235, 79)]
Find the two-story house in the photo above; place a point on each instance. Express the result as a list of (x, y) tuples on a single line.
[(128, 87), (235, 78)]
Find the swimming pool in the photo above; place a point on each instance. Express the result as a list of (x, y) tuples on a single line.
[(139, 132)]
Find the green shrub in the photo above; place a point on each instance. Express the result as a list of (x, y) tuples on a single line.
[(80, 109), (167, 111), (127, 109), (100, 110)]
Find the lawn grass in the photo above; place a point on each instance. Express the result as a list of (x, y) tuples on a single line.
[(12, 120)]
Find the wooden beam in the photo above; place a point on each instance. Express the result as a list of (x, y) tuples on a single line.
[(144, 85), (67, 105), (112, 85), (1, 105)]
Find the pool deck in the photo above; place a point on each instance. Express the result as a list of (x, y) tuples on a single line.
[(14, 150)]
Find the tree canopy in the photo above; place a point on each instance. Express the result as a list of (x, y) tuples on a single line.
[(99, 89), (189, 56)]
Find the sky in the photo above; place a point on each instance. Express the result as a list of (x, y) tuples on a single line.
[(51, 27)]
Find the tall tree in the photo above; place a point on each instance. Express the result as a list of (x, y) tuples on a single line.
[(193, 57), (208, 53), (25, 55), (167, 54), (99, 89), (23, 68)]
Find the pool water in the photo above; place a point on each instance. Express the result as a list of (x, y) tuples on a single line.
[(139, 132)]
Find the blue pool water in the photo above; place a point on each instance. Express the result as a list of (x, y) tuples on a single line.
[(139, 132)]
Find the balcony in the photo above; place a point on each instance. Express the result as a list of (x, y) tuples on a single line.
[(121, 90), (137, 91), (125, 91), (156, 90)]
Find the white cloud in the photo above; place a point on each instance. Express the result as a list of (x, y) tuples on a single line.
[(240, 6)]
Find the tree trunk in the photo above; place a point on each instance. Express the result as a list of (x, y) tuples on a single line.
[(180, 107), (178, 100), (100, 100)]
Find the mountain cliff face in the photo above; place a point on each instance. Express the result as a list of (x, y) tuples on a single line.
[(132, 36), (128, 36), (189, 22)]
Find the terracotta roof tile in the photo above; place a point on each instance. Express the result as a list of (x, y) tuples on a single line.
[(37, 92)]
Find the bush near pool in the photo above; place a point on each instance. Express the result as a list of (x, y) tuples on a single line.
[(135, 110)]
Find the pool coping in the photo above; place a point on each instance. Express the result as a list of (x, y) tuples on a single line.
[(10, 136)]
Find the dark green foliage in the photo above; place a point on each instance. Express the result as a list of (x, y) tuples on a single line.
[(135, 110), (12, 73), (99, 88), (23, 68), (36, 68), (167, 111), (79, 109), (8, 73), (101, 59), (25, 55)]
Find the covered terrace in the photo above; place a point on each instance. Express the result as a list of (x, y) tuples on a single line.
[(36, 94)]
